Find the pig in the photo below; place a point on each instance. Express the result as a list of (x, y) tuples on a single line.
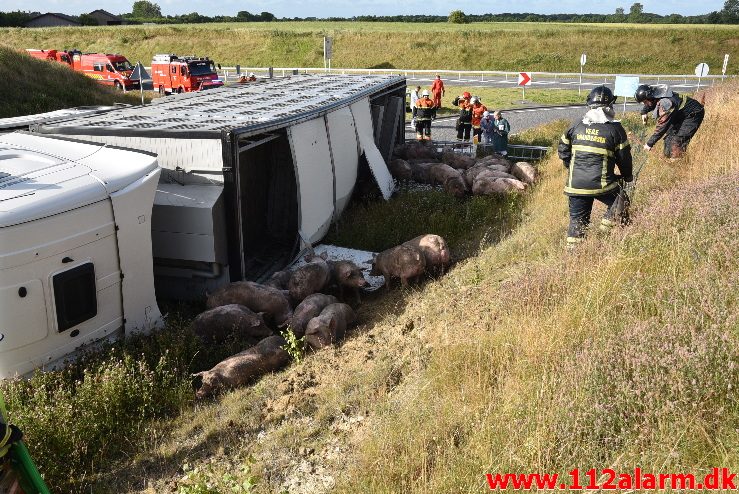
[(449, 178), (495, 160), (495, 174), (471, 173), (217, 324), (398, 262), (309, 308), (330, 326), (513, 184), (309, 278), (434, 249), (415, 150), (486, 185), (424, 160), (258, 298), (400, 169), (421, 172), (524, 172), (347, 275), (457, 160), (279, 280), (266, 356)]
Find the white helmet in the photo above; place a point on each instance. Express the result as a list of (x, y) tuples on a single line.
[(486, 113), (474, 100), (251, 74), (425, 92)]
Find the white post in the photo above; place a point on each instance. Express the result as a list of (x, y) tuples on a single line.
[(141, 87), (579, 86)]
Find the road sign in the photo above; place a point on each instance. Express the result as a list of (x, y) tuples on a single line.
[(701, 70), (524, 79), (139, 72), (726, 62), (626, 86), (583, 59)]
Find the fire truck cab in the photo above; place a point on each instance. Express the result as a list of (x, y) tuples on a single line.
[(173, 74), (108, 69), (54, 55)]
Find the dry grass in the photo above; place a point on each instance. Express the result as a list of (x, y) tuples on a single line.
[(611, 48)]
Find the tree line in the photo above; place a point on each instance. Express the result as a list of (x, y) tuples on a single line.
[(144, 11)]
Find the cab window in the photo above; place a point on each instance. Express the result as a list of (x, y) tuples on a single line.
[(109, 68), (174, 69), (97, 67), (183, 70)]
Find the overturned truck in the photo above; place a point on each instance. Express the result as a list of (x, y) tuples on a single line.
[(252, 173)]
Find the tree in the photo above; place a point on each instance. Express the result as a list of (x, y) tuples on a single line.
[(730, 12), (457, 17), (88, 20), (635, 12), (620, 11), (143, 9)]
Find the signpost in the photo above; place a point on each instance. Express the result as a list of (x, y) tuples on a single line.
[(701, 70), (139, 72), (583, 59), (524, 79), (626, 87), (723, 69), (327, 52)]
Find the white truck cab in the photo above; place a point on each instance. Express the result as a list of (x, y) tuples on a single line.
[(75, 248)]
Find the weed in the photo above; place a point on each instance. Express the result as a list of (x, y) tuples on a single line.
[(209, 478), (294, 346)]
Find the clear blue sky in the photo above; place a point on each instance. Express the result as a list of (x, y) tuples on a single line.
[(344, 8)]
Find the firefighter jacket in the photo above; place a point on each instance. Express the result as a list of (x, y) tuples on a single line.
[(465, 110), (669, 112), (590, 149), (477, 110), (425, 109)]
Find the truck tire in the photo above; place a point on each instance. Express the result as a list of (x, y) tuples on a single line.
[(118, 86), (162, 92), (180, 90)]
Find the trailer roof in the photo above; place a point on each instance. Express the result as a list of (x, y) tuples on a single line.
[(249, 106)]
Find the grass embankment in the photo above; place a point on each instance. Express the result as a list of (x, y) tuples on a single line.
[(611, 48), (35, 86)]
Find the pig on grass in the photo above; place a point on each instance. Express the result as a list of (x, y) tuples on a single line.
[(421, 172), (345, 275), (309, 308), (401, 261), (266, 356), (524, 172), (309, 278), (279, 280), (329, 326), (497, 161), (256, 297), (434, 248), (449, 178), (416, 150), (489, 185), (457, 161), (218, 324), (400, 169)]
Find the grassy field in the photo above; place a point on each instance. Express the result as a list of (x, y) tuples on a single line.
[(612, 48), (35, 86)]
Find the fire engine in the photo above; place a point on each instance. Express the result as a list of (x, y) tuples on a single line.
[(54, 55), (108, 69), (173, 74)]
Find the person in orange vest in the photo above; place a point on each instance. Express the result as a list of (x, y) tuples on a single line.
[(478, 109), (425, 111), (464, 121), (437, 90)]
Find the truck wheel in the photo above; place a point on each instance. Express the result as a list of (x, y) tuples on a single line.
[(162, 92), (118, 86), (179, 90)]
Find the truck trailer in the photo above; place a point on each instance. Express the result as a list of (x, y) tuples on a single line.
[(250, 176)]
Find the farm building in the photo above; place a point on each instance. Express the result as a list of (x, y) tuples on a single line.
[(105, 18), (51, 19)]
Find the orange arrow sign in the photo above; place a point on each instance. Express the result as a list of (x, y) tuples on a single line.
[(524, 79)]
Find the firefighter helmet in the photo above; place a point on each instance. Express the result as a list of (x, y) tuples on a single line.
[(644, 92), (466, 95), (425, 92), (600, 96), (474, 100)]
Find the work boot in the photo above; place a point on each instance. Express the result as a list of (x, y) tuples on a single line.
[(573, 242), (606, 225)]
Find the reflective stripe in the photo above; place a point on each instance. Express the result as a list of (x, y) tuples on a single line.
[(683, 102), (590, 192), (564, 139), (623, 145), (572, 169), (591, 149), (574, 240)]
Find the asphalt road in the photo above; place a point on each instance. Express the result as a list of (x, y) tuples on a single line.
[(521, 119)]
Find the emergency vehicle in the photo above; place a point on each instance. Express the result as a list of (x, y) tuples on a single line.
[(108, 69), (173, 74), (54, 55)]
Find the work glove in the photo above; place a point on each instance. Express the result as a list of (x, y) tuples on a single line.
[(647, 147), (644, 119), (628, 178)]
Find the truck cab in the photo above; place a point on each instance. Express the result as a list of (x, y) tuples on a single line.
[(173, 74), (108, 69)]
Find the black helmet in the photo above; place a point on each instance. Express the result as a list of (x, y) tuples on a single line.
[(644, 92), (600, 96)]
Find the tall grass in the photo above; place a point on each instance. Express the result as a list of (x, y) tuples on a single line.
[(32, 86), (622, 354), (612, 48)]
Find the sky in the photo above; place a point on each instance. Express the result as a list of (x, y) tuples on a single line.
[(344, 8)]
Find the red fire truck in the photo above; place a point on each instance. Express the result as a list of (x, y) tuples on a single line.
[(55, 55), (173, 74), (106, 68)]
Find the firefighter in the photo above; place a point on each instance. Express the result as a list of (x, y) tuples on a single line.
[(590, 150), (678, 117), (437, 90), (478, 110), (464, 121), (425, 111)]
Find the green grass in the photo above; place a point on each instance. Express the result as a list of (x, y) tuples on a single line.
[(611, 48), (35, 86)]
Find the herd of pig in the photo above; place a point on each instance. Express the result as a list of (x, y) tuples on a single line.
[(295, 300), (457, 173)]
